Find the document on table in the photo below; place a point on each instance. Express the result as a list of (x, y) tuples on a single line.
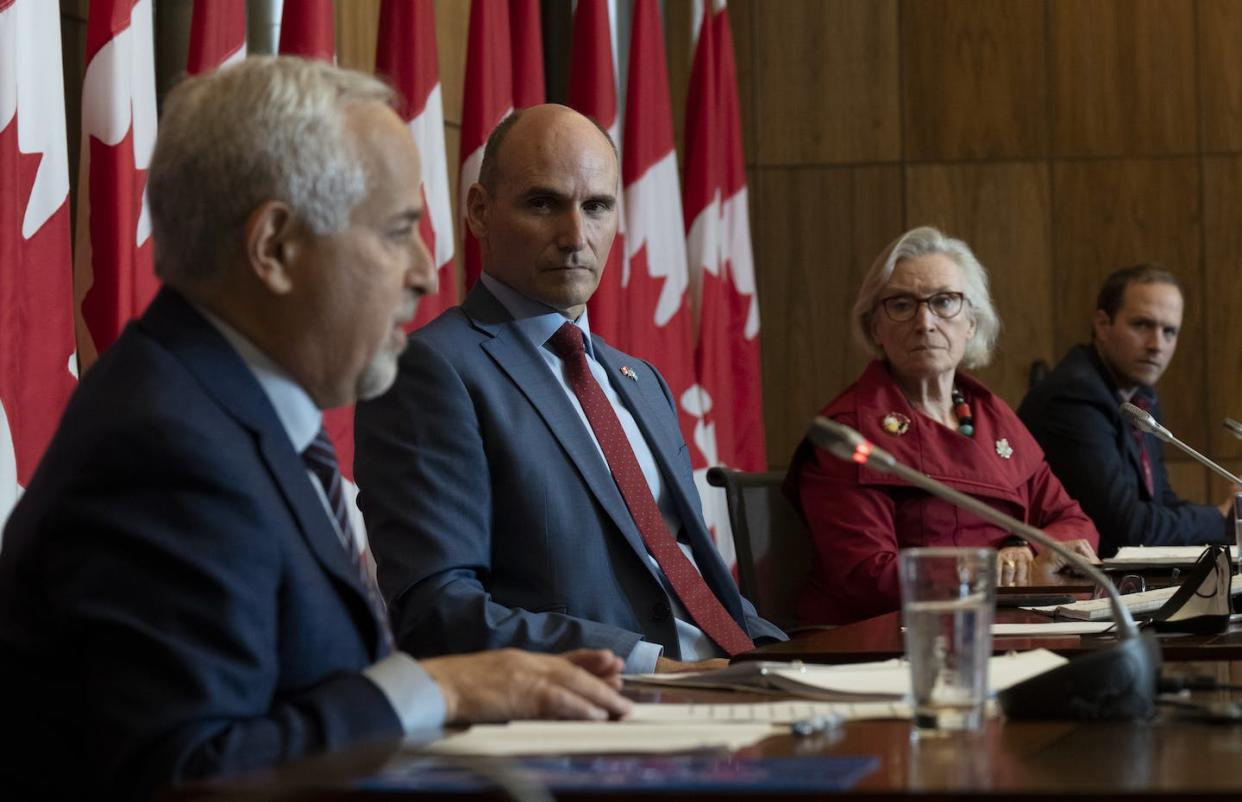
[(771, 712), (1051, 628), (1158, 556), (602, 737), (854, 682)]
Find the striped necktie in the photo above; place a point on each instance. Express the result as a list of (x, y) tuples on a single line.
[(320, 458)]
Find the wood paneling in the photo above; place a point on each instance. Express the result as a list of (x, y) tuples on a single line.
[(1188, 479), (830, 82), (975, 79), (1220, 80), (1222, 221), (1123, 77), (1004, 213), (820, 228), (1218, 488), (357, 25), (452, 25), (1108, 214)]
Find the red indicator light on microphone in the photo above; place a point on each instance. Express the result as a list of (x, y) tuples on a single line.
[(861, 452)]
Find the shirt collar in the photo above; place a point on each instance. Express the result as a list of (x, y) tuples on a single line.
[(535, 321), (294, 407)]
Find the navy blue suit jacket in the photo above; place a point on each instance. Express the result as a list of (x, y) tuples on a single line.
[(1074, 414), (174, 601), (494, 520)]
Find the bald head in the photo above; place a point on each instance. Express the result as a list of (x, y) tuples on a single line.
[(545, 207), (544, 115)]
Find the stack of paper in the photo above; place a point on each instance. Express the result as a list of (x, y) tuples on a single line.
[(884, 681)]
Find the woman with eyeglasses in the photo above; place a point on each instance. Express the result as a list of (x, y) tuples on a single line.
[(923, 312)]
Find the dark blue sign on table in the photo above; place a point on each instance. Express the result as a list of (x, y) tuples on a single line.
[(630, 774)]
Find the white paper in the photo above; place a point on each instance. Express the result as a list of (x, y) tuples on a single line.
[(889, 678), (786, 712), (601, 737), (1158, 555), (1050, 628)]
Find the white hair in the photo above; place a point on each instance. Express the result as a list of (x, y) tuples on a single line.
[(921, 242), (266, 128)]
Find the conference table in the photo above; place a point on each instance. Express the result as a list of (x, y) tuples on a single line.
[(1180, 754)]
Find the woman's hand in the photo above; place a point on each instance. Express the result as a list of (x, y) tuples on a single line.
[(1013, 565), (1051, 562)]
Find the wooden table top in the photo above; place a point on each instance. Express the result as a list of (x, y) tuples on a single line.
[(1171, 758)]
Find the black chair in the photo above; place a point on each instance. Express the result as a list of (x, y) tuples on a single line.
[(774, 554)]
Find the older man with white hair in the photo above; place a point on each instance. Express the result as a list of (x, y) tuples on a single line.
[(181, 594)]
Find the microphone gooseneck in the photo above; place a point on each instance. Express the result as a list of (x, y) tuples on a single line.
[(1233, 427), (1117, 682), (1145, 422)]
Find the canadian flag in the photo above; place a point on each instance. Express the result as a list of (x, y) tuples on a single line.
[(37, 361), (655, 302), (728, 405), (406, 54), (307, 29), (486, 100), (113, 275), (526, 41), (217, 34), (593, 91)]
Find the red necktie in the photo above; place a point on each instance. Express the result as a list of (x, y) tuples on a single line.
[(1145, 405), (688, 584), (320, 457)]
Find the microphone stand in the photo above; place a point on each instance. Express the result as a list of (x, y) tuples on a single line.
[(1145, 422), (1118, 682)]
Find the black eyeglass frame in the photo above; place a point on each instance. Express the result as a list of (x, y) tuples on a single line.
[(960, 297)]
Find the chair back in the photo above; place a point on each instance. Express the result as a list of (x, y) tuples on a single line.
[(773, 546)]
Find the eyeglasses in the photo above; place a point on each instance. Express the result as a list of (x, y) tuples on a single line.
[(944, 305)]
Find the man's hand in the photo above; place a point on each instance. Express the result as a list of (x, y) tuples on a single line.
[(512, 684), (1051, 562), (1226, 507), (665, 665)]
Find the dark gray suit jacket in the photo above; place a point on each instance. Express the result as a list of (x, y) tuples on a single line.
[(1074, 414), (492, 517)]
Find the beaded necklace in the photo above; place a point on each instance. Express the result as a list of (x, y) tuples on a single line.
[(965, 421)]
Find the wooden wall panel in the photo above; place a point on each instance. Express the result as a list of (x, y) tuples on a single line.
[(820, 229), (975, 80), (830, 89), (743, 21), (1004, 212), (1222, 221), (1189, 479), (1109, 214), (357, 25), (1123, 77), (452, 26), (1220, 80)]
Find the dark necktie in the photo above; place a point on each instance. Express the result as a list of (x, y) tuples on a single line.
[(698, 599), (1144, 458), (320, 457)]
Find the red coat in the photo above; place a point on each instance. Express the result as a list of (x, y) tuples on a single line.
[(860, 517)]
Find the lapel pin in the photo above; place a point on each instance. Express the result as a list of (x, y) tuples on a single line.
[(628, 373), (895, 423), (1003, 448)]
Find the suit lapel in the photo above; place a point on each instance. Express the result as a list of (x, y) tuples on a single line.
[(223, 375), (526, 368)]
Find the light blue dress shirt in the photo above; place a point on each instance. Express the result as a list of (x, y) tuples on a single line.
[(410, 690), (537, 323)]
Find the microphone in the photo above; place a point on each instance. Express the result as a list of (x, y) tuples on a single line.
[(1145, 422), (1118, 682), (1233, 426)]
